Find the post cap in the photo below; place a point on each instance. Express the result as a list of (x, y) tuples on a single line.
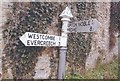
[(66, 13)]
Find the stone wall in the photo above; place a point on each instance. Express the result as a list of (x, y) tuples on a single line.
[(85, 50), (4, 11), (24, 62), (1, 39), (100, 44), (114, 28), (79, 44)]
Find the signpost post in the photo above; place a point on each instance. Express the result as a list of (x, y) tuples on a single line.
[(66, 15)]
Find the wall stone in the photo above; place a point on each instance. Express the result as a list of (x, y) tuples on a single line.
[(4, 9), (24, 61), (100, 44), (79, 44), (42, 69), (0, 39), (85, 50)]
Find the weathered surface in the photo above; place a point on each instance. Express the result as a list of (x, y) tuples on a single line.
[(100, 44), (0, 38), (114, 28), (42, 69), (4, 10), (79, 44), (23, 60), (85, 50)]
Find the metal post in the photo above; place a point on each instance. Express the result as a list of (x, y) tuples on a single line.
[(66, 14), (62, 61)]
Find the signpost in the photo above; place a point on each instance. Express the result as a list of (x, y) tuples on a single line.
[(66, 15), (90, 25), (36, 39)]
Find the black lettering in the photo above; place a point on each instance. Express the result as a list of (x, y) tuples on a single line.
[(40, 37), (28, 42), (38, 42), (80, 24), (37, 36), (53, 43), (35, 42), (46, 37), (75, 24), (29, 35), (43, 37), (90, 28), (41, 42), (89, 22), (33, 36), (32, 43), (84, 23), (44, 43), (50, 37)]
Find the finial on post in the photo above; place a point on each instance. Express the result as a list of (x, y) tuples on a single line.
[(66, 14)]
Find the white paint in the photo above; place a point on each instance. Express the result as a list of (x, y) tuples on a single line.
[(66, 14), (90, 25), (63, 41), (36, 39)]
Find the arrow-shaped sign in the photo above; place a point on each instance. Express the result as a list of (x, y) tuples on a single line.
[(84, 26), (36, 39)]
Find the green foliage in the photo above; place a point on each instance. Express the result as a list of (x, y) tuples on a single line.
[(109, 71), (25, 17), (74, 76)]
